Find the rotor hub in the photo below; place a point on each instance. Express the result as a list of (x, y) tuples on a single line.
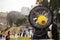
[(42, 20)]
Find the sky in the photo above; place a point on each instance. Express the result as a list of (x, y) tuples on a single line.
[(15, 5)]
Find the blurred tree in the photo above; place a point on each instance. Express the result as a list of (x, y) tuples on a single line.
[(13, 16), (20, 21)]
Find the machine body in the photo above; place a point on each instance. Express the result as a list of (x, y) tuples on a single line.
[(41, 18)]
